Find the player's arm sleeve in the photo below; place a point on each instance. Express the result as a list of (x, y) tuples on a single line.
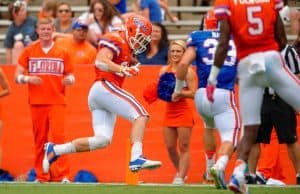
[(113, 46)]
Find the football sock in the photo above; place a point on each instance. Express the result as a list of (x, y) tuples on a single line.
[(136, 150), (64, 148), (210, 159), (222, 162)]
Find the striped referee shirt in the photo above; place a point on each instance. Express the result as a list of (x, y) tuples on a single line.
[(292, 59)]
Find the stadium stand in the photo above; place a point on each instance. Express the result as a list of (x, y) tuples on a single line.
[(190, 19)]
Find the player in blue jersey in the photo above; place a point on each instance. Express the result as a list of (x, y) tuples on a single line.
[(223, 112)]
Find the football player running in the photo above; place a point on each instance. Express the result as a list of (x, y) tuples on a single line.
[(107, 99), (222, 113)]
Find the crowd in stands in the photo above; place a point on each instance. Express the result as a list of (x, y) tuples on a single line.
[(81, 36), (20, 33), (103, 16)]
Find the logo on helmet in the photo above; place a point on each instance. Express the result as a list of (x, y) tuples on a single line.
[(140, 25)]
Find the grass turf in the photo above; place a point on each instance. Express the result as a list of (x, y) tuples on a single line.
[(23, 188)]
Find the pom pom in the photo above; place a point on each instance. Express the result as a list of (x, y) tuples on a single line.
[(166, 86)]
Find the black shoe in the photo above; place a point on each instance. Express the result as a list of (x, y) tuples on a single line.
[(250, 179), (298, 180), (260, 178)]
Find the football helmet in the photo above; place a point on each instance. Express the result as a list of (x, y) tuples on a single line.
[(210, 21), (138, 33)]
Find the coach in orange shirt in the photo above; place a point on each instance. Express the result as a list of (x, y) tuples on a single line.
[(46, 68), (82, 51)]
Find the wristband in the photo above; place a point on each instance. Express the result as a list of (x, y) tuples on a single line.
[(178, 86), (71, 78), (214, 72), (21, 79)]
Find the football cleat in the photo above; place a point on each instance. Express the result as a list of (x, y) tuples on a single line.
[(49, 157), (142, 163), (250, 179), (275, 182), (65, 180), (238, 186), (260, 178), (178, 181), (218, 176), (36, 181)]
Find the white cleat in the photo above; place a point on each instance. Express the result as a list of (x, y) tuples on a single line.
[(142, 163), (49, 157), (238, 185)]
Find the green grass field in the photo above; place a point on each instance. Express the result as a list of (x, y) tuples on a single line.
[(26, 188)]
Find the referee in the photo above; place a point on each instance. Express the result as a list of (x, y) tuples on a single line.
[(278, 114)]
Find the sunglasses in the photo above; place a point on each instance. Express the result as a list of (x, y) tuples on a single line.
[(63, 10)]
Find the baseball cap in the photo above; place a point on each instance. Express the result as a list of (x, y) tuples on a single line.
[(80, 25)]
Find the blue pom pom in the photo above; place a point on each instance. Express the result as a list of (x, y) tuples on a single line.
[(31, 176), (166, 86), (85, 176)]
